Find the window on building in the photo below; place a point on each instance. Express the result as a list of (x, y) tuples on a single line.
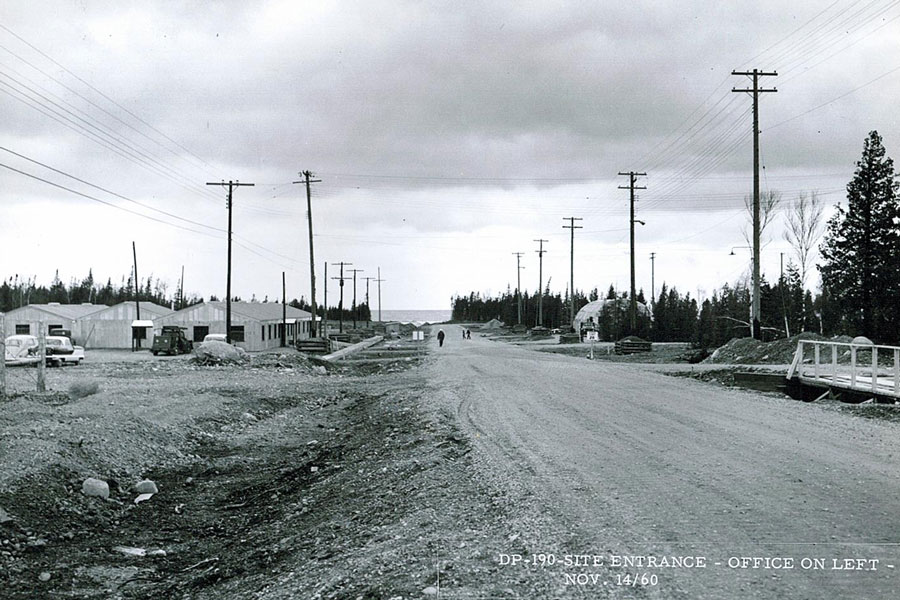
[(237, 333), (263, 328), (50, 328), (23, 329)]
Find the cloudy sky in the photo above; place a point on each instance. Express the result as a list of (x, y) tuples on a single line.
[(446, 135)]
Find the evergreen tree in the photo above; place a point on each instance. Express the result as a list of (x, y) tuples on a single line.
[(861, 249)]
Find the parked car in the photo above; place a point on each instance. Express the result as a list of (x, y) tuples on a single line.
[(78, 353), (21, 350), (59, 351), (215, 337), (171, 340)]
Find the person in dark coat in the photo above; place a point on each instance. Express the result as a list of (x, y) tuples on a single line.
[(441, 337)]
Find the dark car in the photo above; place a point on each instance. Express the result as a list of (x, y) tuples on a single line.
[(171, 340)]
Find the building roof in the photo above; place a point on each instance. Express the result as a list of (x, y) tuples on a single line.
[(263, 311), (68, 311), (149, 308)]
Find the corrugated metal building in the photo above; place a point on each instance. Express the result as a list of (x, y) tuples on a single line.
[(28, 319), (254, 325), (111, 327)]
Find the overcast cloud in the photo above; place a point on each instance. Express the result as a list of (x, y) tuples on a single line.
[(447, 135)]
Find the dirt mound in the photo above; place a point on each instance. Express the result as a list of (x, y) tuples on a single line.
[(218, 353), (749, 351)]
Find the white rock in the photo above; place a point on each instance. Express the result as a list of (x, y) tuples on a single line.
[(44, 576), (95, 487), (146, 486), (430, 591), (142, 497)]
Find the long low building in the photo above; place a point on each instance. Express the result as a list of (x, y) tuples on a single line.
[(254, 325), (29, 319)]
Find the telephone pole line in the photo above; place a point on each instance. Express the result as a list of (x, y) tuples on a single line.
[(379, 280), (632, 179), (755, 74), (653, 278), (519, 268), (312, 260), (231, 185), (540, 251), (341, 279), (572, 226), (355, 305)]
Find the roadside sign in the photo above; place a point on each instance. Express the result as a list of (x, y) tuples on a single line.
[(593, 336)]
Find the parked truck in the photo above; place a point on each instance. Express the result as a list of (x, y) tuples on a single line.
[(171, 340)]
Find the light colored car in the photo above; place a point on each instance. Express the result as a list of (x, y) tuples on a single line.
[(215, 337), (61, 351), (21, 350)]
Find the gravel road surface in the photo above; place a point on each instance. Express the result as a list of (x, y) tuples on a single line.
[(774, 498)]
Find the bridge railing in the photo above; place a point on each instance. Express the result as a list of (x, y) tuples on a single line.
[(863, 367)]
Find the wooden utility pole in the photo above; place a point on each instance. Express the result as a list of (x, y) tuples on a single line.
[(572, 226), (519, 268), (325, 320), (137, 303), (312, 260), (632, 179), (355, 305), (755, 74), (341, 301), (231, 185), (283, 311), (653, 278), (181, 290), (42, 352), (540, 251), (379, 280), (369, 306)]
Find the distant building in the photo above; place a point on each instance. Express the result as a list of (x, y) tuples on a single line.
[(254, 325), (112, 326), (28, 320), (606, 315)]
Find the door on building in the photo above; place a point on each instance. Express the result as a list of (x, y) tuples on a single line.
[(200, 332)]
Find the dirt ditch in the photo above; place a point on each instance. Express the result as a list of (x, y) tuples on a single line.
[(345, 485)]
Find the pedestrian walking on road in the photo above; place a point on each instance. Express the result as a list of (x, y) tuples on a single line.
[(441, 337), (468, 334)]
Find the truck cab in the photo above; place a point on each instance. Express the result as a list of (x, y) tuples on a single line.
[(171, 340)]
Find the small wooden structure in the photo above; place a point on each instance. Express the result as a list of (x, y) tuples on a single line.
[(632, 345)]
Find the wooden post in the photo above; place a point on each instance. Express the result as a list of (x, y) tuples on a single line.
[(897, 372), (42, 351), (3, 353), (833, 363), (852, 366), (817, 352), (875, 368)]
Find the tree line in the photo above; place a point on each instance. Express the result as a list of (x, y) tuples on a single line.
[(16, 292), (859, 264)]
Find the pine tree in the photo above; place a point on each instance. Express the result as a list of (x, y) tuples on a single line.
[(861, 249)]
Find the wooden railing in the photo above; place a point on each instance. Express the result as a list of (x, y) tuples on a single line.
[(860, 367)]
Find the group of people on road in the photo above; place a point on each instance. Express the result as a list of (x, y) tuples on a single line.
[(467, 335)]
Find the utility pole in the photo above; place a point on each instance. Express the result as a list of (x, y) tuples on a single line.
[(341, 279), (181, 290), (787, 327), (632, 178), (368, 306), (42, 352), (312, 260), (379, 280), (325, 320), (231, 185), (572, 226), (755, 74), (653, 278), (3, 362), (283, 311), (519, 268), (355, 305), (137, 301), (540, 251)]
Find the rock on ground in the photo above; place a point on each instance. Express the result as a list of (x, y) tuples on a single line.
[(216, 353), (95, 487)]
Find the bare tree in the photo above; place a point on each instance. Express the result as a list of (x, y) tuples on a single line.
[(804, 228), (768, 204)]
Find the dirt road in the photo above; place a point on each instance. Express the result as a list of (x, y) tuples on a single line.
[(610, 461)]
